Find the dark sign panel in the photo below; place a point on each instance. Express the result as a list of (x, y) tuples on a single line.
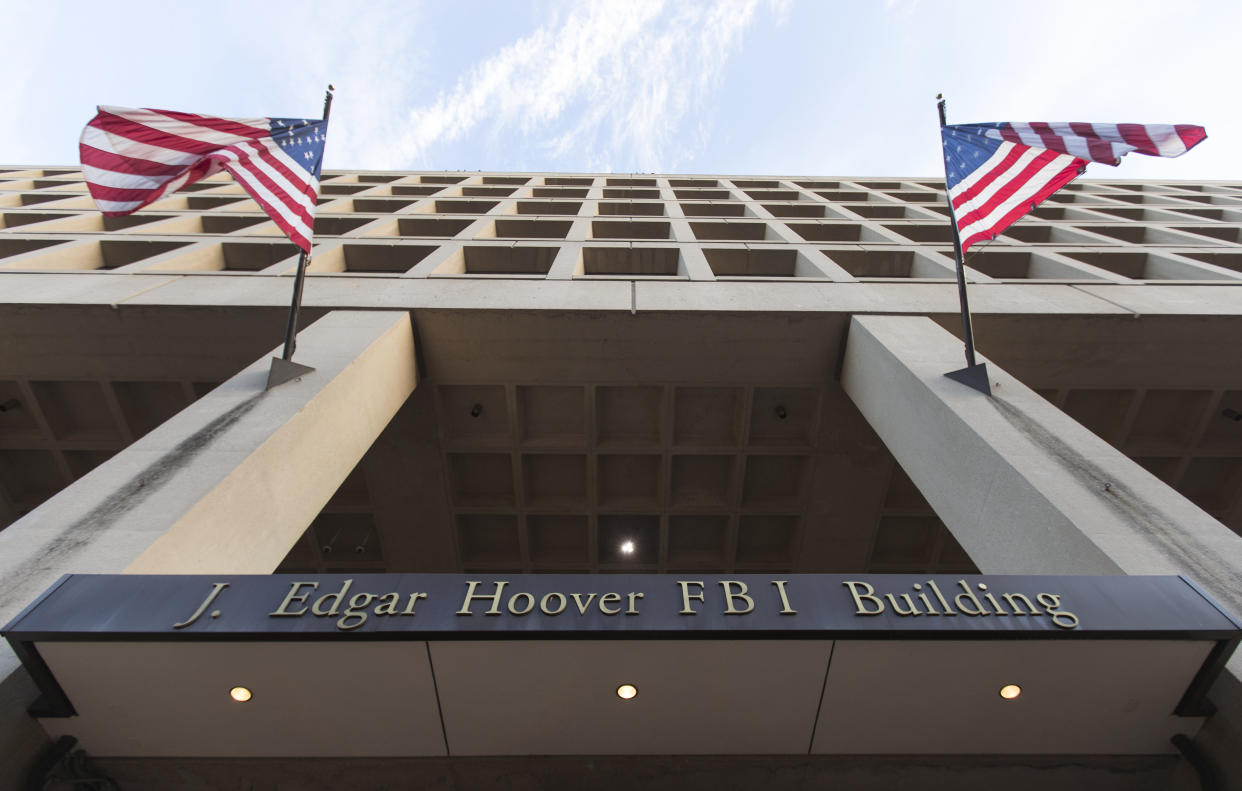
[(455, 606)]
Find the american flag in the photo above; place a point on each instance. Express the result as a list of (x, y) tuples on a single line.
[(995, 173), (131, 158)]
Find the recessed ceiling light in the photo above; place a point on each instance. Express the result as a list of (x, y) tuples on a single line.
[(627, 691), (627, 547), (240, 694), (1010, 691)]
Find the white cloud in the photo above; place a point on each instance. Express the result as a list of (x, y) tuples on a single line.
[(604, 86)]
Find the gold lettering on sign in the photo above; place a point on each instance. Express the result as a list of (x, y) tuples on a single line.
[(731, 595), (1027, 606), (974, 606), (518, 609), (471, 587), (940, 597), (969, 602), (927, 605), (867, 594), (633, 608), (996, 608), (409, 605), (910, 608), (356, 614), (1052, 603), (786, 608), (333, 600), (389, 602), (216, 587), (581, 603), (610, 598), (547, 608), (295, 596), (686, 596)]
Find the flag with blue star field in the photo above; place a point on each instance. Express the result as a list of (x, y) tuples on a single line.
[(131, 158), (997, 172)]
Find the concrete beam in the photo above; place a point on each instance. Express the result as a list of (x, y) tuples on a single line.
[(1023, 487), (225, 486)]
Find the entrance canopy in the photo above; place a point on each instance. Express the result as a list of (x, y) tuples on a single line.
[(459, 665)]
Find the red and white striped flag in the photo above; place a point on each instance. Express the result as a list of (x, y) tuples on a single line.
[(996, 173), (131, 158)]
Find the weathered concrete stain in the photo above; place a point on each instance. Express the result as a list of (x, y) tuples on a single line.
[(132, 494), (1181, 547)]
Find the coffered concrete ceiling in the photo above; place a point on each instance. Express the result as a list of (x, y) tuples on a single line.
[(711, 440)]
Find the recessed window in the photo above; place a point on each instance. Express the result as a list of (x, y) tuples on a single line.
[(508, 260), (756, 184), (635, 229), (465, 206), (533, 229), (743, 262), (713, 209), (335, 226), (559, 192), (487, 192), (703, 194), (796, 209), (431, 226), (415, 189), (631, 194), (386, 258), (774, 194), (549, 207), (631, 209), (380, 205), (616, 182), (739, 231), (693, 183), (654, 261)]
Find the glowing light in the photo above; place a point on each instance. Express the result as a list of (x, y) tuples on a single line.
[(1010, 691), (627, 691), (240, 694), (627, 548)]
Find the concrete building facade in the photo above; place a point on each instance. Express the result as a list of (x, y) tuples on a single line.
[(591, 373)]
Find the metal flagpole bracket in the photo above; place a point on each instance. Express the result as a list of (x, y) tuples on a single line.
[(285, 370), (975, 376)]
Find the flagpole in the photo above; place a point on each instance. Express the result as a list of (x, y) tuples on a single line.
[(303, 259), (974, 374), (284, 369)]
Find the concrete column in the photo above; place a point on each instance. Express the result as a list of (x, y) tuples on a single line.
[(1023, 487), (225, 486), (1027, 490)]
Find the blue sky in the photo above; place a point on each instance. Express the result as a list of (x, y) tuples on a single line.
[(782, 87)]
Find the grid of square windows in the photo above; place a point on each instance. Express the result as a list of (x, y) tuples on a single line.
[(566, 226)]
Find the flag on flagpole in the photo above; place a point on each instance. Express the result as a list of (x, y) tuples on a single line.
[(131, 158), (995, 173)]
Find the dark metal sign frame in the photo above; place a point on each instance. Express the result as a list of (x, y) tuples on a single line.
[(430, 607)]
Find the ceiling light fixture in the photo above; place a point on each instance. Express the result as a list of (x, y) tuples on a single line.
[(1010, 691), (627, 691), (240, 694), (627, 547)]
